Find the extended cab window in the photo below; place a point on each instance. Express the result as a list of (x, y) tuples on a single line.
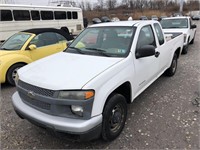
[(159, 33), (174, 23), (146, 37)]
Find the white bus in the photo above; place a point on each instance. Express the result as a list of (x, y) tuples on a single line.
[(15, 18)]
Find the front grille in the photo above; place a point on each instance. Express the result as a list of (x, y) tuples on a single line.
[(34, 102), (35, 89)]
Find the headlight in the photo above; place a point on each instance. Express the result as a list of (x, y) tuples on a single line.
[(76, 95)]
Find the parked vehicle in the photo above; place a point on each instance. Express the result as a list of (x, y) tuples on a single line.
[(85, 89), (114, 19), (96, 21), (105, 19), (180, 24), (27, 46), (143, 18), (154, 17), (196, 17), (15, 18), (162, 17)]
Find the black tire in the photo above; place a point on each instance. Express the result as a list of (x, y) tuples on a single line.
[(114, 117), (185, 49), (192, 42), (172, 69), (11, 74)]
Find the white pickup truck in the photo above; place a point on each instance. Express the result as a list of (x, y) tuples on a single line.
[(180, 24), (85, 89)]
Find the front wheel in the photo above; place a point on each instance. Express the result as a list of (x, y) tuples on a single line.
[(114, 117), (172, 69), (12, 72)]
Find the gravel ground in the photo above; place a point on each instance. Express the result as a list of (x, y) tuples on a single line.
[(165, 116)]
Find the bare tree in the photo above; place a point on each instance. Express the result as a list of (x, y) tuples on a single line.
[(101, 4), (111, 4), (82, 5), (88, 6)]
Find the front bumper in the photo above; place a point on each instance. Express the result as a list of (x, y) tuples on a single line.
[(69, 125)]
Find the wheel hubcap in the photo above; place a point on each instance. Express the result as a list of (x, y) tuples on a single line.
[(116, 118), (174, 66), (14, 73)]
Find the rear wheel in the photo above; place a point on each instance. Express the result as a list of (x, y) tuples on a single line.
[(114, 117), (12, 72), (172, 69)]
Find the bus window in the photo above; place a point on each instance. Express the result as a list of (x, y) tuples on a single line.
[(20, 15), (47, 15), (60, 15), (35, 15), (6, 15), (69, 15), (75, 15)]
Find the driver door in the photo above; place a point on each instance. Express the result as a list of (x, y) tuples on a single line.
[(46, 44)]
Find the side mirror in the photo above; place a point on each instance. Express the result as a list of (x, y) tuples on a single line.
[(32, 47), (193, 26), (145, 51)]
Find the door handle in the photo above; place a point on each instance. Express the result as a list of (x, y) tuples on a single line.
[(157, 54)]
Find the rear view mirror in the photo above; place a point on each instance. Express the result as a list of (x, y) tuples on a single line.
[(145, 51), (32, 47)]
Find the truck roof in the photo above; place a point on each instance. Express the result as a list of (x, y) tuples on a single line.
[(178, 17), (125, 23)]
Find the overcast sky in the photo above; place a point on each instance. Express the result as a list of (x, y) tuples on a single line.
[(40, 2)]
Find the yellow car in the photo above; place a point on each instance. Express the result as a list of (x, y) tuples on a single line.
[(27, 46)]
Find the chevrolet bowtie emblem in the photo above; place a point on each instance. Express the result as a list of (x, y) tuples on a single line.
[(31, 94)]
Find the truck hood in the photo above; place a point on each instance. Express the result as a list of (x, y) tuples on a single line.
[(5, 52), (184, 31), (64, 71)]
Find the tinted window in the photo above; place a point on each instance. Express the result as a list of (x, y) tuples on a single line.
[(75, 15), (35, 15), (20, 15), (5, 15), (69, 15), (45, 39), (159, 33), (60, 37), (174, 23), (146, 37), (60, 15), (47, 15)]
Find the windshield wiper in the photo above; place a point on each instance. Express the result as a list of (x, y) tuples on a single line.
[(77, 49), (100, 51)]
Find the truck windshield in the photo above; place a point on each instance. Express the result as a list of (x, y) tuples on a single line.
[(104, 41), (174, 23), (15, 42)]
